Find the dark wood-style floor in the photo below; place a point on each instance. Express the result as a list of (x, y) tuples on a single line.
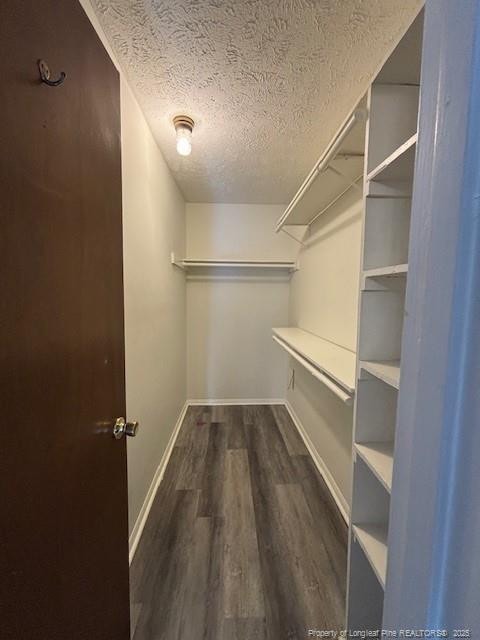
[(243, 540)]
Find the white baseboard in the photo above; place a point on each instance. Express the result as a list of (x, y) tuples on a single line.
[(236, 401), (337, 495), (157, 478), (152, 491)]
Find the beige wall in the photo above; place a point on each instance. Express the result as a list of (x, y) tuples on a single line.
[(323, 300), (230, 352), (155, 356)]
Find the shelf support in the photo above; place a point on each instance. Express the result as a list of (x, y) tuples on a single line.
[(177, 263), (330, 204), (349, 181), (294, 238)]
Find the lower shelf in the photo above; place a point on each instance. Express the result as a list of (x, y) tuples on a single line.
[(379, 458), (373, 540), (386, 370)]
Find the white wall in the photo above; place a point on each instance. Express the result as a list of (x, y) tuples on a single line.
[(324, 300), (230, 352), (155, 355)]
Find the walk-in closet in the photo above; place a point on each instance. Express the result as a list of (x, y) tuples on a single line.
[(240, 318)]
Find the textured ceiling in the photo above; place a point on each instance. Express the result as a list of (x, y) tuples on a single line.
[(267, 81)]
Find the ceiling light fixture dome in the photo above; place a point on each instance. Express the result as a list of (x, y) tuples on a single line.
[(184, 128)]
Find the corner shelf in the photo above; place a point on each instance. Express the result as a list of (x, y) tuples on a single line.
[(373, 540), (378, 456), (337, 170), (335, 364)]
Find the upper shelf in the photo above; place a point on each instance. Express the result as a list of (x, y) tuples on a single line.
[(336, 362), (338, 169)]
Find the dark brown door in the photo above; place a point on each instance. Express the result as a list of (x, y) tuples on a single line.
[(63, 511)]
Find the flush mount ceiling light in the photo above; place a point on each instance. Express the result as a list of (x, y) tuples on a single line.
[(184, 127)]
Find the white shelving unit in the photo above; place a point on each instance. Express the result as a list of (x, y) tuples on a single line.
[(391, 142), (331, 364), (339, 168)]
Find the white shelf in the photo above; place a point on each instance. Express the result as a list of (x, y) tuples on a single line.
[(387, 370), (378, 456), (399, 165), (392, 271), (335, 362), (339, 168), (233, 263), (373, 540)]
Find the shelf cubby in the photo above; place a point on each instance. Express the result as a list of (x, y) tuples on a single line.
[(376, 412), (373, 540), (382, 311), (370, 511), (393, 125), (364, 592), (386, 232)]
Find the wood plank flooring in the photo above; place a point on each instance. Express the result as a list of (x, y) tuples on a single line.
[(244, 540)]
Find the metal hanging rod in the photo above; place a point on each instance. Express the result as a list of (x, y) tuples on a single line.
[(343, 395)]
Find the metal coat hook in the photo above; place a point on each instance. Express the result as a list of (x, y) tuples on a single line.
[(45, 75)]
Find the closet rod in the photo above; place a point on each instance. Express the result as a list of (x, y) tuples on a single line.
[(344, 397), (325, 159)]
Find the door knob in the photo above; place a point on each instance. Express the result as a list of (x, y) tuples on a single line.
[(122, 427)]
